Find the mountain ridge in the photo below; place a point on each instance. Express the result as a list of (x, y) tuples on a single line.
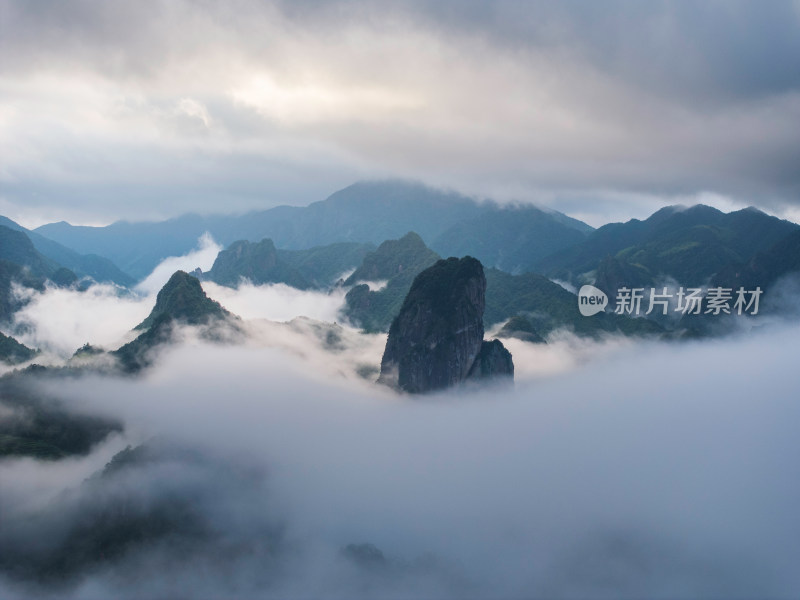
[(92, 265), (364, 212), (690, 244)]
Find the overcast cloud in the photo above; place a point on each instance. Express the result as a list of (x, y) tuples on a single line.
[(156, 108)]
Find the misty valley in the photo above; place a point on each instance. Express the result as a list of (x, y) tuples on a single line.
[(400, 391)]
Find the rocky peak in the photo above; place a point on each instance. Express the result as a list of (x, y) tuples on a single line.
[(182, 298), (436, 338), (393, 257), (181, 301), (493, 360), (257, 262)]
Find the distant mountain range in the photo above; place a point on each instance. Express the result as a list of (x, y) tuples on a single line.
[(89, 265), (29, 266), (512, 238), (690, 245), (23, 265), (384, 233)]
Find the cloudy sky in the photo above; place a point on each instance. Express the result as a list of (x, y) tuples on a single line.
[(150, 109)]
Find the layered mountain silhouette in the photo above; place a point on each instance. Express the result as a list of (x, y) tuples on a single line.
[(23, 265), (31, 262), (365, 212), (524, 249), (83, 265), (690, 245)]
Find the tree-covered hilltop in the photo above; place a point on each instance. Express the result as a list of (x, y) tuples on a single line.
[(41, 427), (262, 262), (181, 301), (393, 258), (255, 262), (12, 352), (323, 266), (182, 298), (126, 512), (138, 353), (547, 306), (690, 245), (513, 238), (397, 262)]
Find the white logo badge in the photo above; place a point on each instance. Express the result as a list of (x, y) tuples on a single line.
[(591, 300)]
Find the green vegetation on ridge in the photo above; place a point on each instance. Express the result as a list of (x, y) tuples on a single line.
[(182, 298), (690, 245), (397, 262), (257, 262), (261, 263), (547, 305)]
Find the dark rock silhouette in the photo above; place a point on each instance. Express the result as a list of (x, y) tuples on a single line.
[(436, 338), (493, 360)]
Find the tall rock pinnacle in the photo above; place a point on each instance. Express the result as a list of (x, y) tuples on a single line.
[(436, 341)]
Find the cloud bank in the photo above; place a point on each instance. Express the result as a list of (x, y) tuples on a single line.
[(61, 320), (662, 471), (202, 258), (277, 302), (58, 321)]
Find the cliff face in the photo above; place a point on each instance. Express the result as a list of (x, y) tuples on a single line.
[(492, 361), (257, 262), (438, 335)]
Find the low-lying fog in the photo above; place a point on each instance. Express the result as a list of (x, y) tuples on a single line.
[(611, 469)]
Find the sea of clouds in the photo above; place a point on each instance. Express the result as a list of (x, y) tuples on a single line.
[(611, 469)]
